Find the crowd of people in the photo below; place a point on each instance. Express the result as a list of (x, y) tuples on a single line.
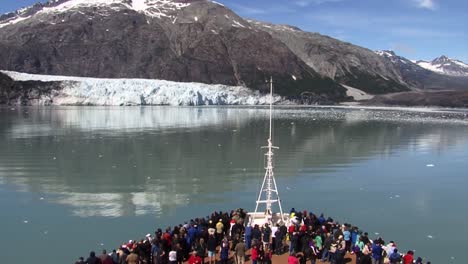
[(225, 237)]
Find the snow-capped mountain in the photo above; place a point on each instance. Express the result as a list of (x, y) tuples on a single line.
[(421, 78), (196, 41), (445, 65), (177, 40)]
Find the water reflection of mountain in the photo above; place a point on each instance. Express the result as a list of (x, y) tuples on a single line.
[(123, 161)]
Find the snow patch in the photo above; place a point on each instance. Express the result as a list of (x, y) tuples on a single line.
[(217, 3), (294, 77), (152, 8), (94, 91), (237, 24), (357, 94), (13, 21)]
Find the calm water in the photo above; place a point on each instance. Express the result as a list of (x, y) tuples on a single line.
[(75, 179)]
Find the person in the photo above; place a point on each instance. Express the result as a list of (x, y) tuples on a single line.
[(194, 258), (267, 256), (366, 255), (173, 256), (123, 253), (80, 261), (254, 254), (279, 237), (200, 247), (266, 234), (240, 250), (211, 246), (219, 230), (395, 257), (133, 258), (292, 259), (377, 252), (419, 260), (248, 235), (105, 259), (408, 258), (256, 234), (347, 238), (274, 229), (326, 247), (260, 254), (114, 256), (157, 252), (92, 259), (224, 252)]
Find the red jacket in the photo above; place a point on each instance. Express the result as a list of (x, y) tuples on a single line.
[(194, 260), (408, 259), (254, 253)]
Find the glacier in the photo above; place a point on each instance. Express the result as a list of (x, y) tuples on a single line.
[(118, 92)]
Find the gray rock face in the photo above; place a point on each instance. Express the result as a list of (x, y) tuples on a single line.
[(23, 93), (346, 63), (188, 41)]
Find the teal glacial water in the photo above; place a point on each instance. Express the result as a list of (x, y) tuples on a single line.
[(75, 179)]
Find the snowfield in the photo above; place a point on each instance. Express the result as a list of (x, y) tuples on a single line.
[(94, 91)]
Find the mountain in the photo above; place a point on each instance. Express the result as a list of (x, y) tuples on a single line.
[(196, 41), (182, 40), (445, 65), (421, 78), (344, 62)]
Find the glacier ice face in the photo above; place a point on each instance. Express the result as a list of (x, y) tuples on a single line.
[(94, 91)]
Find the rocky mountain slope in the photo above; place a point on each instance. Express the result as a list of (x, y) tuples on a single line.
[(197, 40), (445, 65), (344, 62), (374, 72)]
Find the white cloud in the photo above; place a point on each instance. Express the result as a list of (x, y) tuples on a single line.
[(304, 3), (248, 10), (427, 4)]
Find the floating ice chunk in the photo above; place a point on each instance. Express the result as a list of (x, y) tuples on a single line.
[(219, 145), (101, 244), (397, 196), (234, 130), (45, 232), (429, 236), (430, 165), (149, 178), (25, 221), (294, 77), (54, 158), (100, 156), (42, 198), (244, 169), (287, 188), (376, 233)]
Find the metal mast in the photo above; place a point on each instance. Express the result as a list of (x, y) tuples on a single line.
[(269, 188)]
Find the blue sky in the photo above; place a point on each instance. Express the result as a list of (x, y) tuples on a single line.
[(416, 29)]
